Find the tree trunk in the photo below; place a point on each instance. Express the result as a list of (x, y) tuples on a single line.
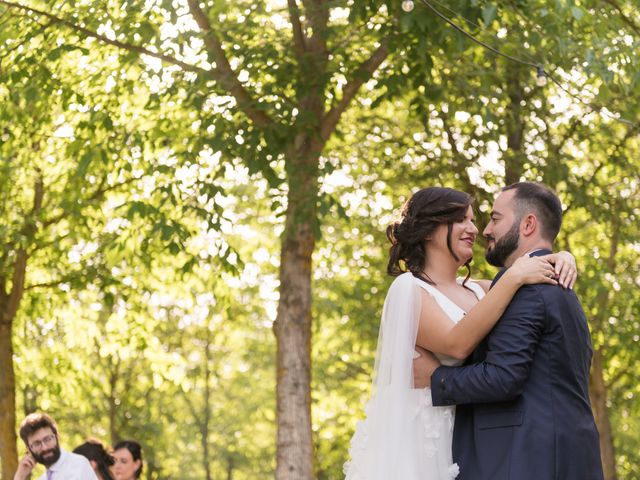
[(601, 411), (8, 451), (598, 387), (293, 323), (229, 468), (112, 400), (514, 156), (206, 413), (9, 306)]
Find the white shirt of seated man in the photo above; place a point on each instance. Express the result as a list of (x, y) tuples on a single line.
[(44, 448)]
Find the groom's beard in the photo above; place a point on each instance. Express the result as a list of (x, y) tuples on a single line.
[(47, 457), (503, 248)]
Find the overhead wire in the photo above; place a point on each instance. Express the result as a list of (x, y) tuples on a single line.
[(538, 66), (471, 22)]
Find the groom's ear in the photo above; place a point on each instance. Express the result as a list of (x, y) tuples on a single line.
[(528, 225)]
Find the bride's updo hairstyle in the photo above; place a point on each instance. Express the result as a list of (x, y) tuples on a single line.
[(421, 215)]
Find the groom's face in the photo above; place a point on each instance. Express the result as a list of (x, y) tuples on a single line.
[(503, 230)]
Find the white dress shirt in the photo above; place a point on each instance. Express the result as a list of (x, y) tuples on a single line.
[(70, 466)]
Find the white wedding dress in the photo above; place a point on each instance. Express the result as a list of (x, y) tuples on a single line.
[(404, 437)]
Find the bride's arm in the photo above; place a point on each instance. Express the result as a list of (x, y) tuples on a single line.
[(564, 265), (436, 331)]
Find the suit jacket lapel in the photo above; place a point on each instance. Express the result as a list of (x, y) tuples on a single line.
[(480, 351)]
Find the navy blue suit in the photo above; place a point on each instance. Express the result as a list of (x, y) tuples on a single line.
[(523, 410)]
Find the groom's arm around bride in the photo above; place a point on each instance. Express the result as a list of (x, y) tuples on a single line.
[(523, 403)]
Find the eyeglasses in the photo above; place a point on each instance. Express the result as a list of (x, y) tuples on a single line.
[(48, 440)]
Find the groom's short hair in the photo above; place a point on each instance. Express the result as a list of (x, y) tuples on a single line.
[(537, 198)]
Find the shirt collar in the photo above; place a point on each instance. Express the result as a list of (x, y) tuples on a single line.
[(63, 458), (536, 252)]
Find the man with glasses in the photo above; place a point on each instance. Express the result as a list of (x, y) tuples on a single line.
[(40, 434)]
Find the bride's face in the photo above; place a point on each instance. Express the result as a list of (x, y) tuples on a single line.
[(463, 236)]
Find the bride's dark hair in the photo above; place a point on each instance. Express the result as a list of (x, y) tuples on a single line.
[(421, 215)]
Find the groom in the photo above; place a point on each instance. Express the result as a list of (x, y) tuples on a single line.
[(523, 410)]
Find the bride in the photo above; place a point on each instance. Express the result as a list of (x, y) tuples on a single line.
[(403, 436)]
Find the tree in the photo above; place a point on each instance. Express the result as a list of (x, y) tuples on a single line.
[(47, 199), (67, 159), (269, 86), (284, 95)]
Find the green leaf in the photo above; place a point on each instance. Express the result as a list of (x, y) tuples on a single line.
[(84, 162), (577, 12), (174, 248), (54, 54), (31, 94), (71, 48), (489, 14)]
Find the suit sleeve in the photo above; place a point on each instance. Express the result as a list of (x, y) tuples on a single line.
[(511, 348)]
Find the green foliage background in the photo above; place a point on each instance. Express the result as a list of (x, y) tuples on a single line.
[(152, 280)]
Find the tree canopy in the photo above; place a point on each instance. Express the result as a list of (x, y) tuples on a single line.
[(195, 195)]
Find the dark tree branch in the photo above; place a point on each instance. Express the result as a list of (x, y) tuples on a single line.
[(461, 160), (555, 149), (3, 290), (192, 409), (570, 131), (299, 42), (618, 376), (223, 72), (53, 283), (55, 241), (628, 21), (122, 45), (318, 16), (20, 266), (96, 195), (360, 76)]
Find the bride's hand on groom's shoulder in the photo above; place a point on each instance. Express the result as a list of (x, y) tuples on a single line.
[(565, 267), (423, 367)]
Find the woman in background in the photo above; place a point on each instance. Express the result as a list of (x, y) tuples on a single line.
[(99, 458), (128, 456)]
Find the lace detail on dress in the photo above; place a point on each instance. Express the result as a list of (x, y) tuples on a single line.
[(403, 435), (428, 422), (434, 429), (357, 448), (435, 422)]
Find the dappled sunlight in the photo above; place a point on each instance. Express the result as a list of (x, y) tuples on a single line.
[(148, 155)]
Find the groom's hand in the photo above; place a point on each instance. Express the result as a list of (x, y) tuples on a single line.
[(423, 368)]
